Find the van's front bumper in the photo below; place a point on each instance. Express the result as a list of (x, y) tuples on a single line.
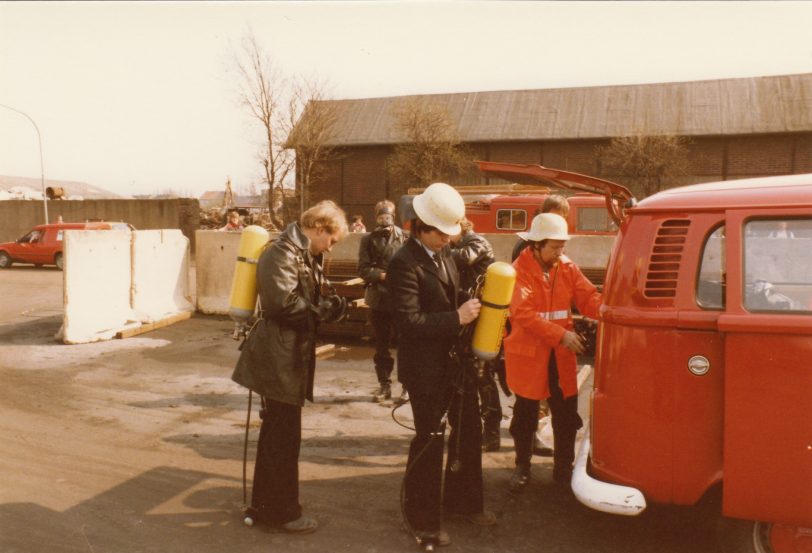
[(603, 496)]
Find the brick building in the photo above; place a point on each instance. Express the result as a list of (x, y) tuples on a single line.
[(737, 128)]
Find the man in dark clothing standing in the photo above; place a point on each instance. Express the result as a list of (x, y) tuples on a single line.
[(278, 359), (472, 255), (429, 314), (374, 253)]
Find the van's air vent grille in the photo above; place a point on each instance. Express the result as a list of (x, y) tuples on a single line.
[(665, 259)]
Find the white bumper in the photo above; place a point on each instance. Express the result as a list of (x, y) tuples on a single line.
[(602, 496)]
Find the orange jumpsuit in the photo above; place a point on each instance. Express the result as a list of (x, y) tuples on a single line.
[(540, 313), (538, 366)]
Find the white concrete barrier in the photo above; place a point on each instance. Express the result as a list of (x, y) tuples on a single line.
[(160, 274), (119, 281), (96, 281), (216, 254)]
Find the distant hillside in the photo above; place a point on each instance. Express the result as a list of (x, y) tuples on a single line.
[(72, 188)]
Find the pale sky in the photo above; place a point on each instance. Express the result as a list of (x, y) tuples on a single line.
[(139, 97)]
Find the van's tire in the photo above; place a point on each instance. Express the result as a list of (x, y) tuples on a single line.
[(744, 536), (5, 260), (58, 261)]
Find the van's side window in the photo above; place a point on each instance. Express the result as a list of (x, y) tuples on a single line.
[(511, 219), (710, 287), (59, 235), (778, 265)]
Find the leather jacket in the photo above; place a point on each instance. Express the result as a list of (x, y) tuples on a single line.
[(374, 253), (278, 359), (472, 255)]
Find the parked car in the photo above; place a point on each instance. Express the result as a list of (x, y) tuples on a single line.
[(702, 373), (43, 244)]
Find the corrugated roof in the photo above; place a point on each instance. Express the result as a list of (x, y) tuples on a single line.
[(719, 107)]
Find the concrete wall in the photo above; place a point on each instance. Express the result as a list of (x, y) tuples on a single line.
[(216, 254), (18, 216)]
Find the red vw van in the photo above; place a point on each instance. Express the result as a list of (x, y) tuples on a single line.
[(703, 368)]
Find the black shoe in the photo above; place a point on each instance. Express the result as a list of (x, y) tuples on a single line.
[(382, 393), (491, 437), (491, 440), (520, 478), (402, 398)]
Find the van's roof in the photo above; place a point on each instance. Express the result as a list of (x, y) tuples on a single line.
[(87, 225), (782, 191)]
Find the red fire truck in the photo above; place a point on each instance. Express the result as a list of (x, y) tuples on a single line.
[(703, 368), (508, 209)]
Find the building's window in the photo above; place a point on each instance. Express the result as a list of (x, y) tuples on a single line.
[(778, 265), (511, 219), (594, 219), (710, 287)]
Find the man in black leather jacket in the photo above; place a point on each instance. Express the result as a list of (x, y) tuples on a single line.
[(374, 253), (279, 358), (473, 255)]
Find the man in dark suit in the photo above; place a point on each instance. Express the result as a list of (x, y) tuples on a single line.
[(429, 314)]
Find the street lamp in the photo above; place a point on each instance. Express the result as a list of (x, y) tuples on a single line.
[(41, 164)]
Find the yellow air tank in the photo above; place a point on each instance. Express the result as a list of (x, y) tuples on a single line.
[(500, 278), (244, 285)]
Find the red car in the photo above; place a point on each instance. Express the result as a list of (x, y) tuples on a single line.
[(43, 244), (702, 373)]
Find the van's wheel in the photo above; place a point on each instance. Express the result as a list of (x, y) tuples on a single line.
[(750, 536), (58, 261), (5, 260)]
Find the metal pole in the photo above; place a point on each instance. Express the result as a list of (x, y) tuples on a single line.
[(41, 163)]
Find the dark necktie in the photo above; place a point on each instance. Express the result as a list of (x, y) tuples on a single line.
[(440, 267)]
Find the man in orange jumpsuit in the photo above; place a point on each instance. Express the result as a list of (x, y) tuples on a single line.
[(540, 353)]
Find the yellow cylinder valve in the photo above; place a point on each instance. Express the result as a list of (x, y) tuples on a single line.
[(500, 278), (244, 284)]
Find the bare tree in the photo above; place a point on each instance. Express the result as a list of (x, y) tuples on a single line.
[(261, 91), (431, 149), (311, 126), (646, 161)]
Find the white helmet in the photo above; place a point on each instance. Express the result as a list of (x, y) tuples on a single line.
[(546, 226), (440, 206)]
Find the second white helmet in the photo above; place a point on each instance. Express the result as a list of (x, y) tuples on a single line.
[(440, 206), (546, 226)]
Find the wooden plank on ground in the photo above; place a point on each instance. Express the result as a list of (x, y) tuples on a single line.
[(324, 349), (147, 327)]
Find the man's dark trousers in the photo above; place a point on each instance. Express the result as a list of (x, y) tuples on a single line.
[(275, 494)]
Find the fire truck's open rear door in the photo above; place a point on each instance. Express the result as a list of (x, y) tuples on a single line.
[(617, 196)]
